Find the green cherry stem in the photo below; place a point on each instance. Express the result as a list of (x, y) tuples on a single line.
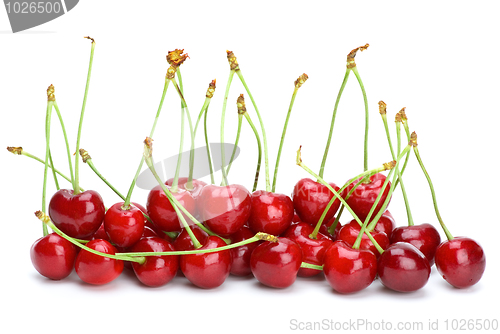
[(204, 112), (174, 187), (236, 141), (70, 163), (53, 171), (241, 101), (365, 159), (383, 113), (223, 117), (310, 266), (50, 104)]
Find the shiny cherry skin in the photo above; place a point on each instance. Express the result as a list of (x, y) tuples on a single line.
[(181, 183), (461, 261), (386, 223), (163, 214), (310, 199), (157, 270), (424, 236), (402, 267), (313, 250), (271, 212), (183, 241), (78, 216), (96, 269), (349, 233), (240, 265), (364, 196), (276, 264), (100, 234), (349, 270), (124, 227), (53, 256), (208, 270), (324, 228), (224, 209)]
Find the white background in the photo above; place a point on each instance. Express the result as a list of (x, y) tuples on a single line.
[(437, 59)]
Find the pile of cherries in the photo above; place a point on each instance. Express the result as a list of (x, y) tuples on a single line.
[(207, 232)]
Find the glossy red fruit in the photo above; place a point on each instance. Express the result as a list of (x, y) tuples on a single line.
[(364, 196), (157, 270), (100, 234), (181, 183), (310, 199), (163, 214), (350, 231), (424, 236), (313, 250), (224, 209), (461, 261), (53, 256), (326, 227), (240, 265), (124, 227), (271, 212), (96, 269), (349, 270), (207, 270), (78, 216), (386, 223), (402, 267), (276, 264), (183, 241)]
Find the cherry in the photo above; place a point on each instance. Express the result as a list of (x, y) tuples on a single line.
[(313, 250), (425, 237), (350, 231), (364, 196), (53, 256), (325, 229), (310, 199), (183, 241), (157, 270), (271, 212), (349, 270), (197, 185), (276, 264), (386, 223), (78, 216), (240, 265), (224, 209), (97, 269), (100, 234), (402, 267), (461, 261), (207, 270), (123, 226)]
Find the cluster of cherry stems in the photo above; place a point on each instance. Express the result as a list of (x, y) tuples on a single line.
[(268, 235)]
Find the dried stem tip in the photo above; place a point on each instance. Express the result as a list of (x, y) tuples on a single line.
[(299, 155), (148, 147), (240, 103), (389, 165), (413, 139), (266, 237), (85, 155), (50, 93), (171, 72), (211, 89), (15, 150), (300, 81), (403, 115), (398, 118), (176, 57), (88, 37), (42, 216), (233, 63), (352, 54), (382, 108)]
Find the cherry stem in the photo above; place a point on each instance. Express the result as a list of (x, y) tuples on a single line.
[(223, 117), (67, 143), (339, 95), (204, 112), (356, 73), (240, 121), (320, 179), (174, 188), (53, 171), (259, 147), (310, 266), (76, 188), (47, 153)]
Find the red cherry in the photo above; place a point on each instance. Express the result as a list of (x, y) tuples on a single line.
[(157, 270), (425, 237), (183, 241), (325, 227), (461, 261), (240, 265), (96, 269), (140, 207), (310, 199), (78, 216), (313, 250), (124, 227), (364, 196), (276, 264), (402, 267), (163, 214), (349, 270), (181, 183), (224, 209), (386, 223), (208, 270), (350, 231), (100, 234), (53, 256), (271, 212)]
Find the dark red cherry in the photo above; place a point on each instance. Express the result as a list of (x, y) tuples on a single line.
[(461, 261), (181, 183), (364, 196), (402, 267), (78, 216), (240, 265), (271, 212), (313, 250), (350, 231), (53, 256), (163, 214), (183, 241), (100, 234), (157, 270), (124, 227), (97, 269), (310, 199), (349, 270), (324, 228), (424, 236), (276, 264), (208, 270), (386, 223), (224, 209)]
